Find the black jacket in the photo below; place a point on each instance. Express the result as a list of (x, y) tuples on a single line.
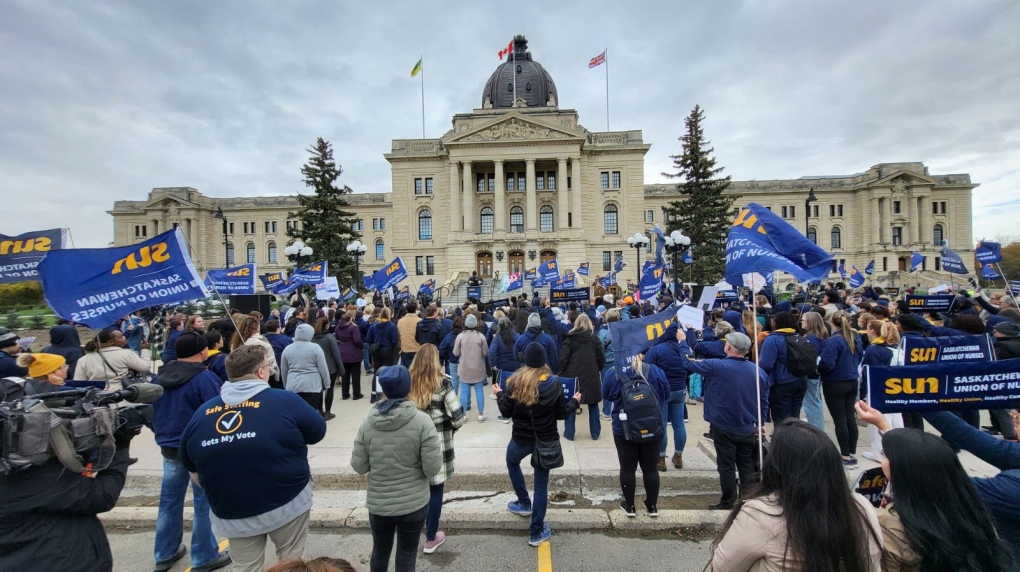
[(582, 357), (64, 342), (48, 517), (1007, 348), (540, 418), (429, 331)]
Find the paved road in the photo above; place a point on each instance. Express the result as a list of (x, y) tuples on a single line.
[(570, 552)]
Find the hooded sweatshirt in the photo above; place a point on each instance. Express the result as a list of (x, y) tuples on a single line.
[(303, 365), (186, 387), (535, 334), (64, 342), (400, 452)]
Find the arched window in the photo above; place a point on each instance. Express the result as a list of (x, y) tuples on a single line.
[(937, 234), (516, 219), (271, 251), (249, 253), (612, 222), (380, 251), (487, 220), (812, 234), (425, 225), (837, 237), (230, 254), (545, 218)]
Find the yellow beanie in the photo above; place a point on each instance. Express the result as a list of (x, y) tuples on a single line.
[(41, 365)]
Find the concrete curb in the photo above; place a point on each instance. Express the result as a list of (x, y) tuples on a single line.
[(128, 518)]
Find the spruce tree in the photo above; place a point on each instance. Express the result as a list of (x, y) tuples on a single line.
[(325, 225), (704, 212)]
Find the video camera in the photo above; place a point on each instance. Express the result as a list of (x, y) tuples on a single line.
[(79, 427)]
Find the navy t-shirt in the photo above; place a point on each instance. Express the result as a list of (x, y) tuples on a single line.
[(253, 457)]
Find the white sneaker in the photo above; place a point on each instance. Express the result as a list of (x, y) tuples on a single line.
[(871, 456), (492, 396), (481, 418)]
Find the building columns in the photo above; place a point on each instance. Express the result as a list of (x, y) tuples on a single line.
[(469, 199), (500, 210), (575, 192), (561, 194), (456, 222), (924, 219), (876, 221), (532, 198)]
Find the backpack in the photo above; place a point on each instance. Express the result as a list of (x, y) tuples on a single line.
[(641, 412), (801, 356)]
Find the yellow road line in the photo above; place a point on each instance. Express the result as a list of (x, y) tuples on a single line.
[(224, 544), (545, 557)]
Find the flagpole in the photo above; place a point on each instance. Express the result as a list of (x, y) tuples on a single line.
[(607, 88), (757, 372), (422, 97), (1006, 280), (513, 69)]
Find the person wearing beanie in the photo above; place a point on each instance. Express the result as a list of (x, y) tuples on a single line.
[(471, 351), (398, 447), (534, 333), (187, 386), (46, 372), (534, 402), (9, 348)]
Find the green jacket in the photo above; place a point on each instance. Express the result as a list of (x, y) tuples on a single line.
[(400, 451)]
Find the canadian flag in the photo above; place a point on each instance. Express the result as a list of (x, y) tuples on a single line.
[(507, 51)]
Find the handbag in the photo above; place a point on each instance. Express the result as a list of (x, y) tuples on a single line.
[(132, 376), (547, 455)]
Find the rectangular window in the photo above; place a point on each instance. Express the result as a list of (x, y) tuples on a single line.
[(617, 254), (428, 185), (942, 207), (839, 210), (570, 185), (607, 260), (492, 182), (380, 250), (650, 216), (885, 264), (361, 224), (540, 181), (140, 230), (375, 224), (832, 210), (570, 220), (934, 208), (522, 182), (770, 209), (784, 212), (604, 177), (267, 227), (511, 179), (419, 265), (550, 180), (480, 182), (231, 225), (924, 263), (938, 263), (417, 186), (616, 179), (897, 207), (382, 224), (246, 228), (897, 235), (814, 211), (793, 212), (430, 265)]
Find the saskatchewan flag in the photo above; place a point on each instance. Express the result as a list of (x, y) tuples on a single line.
[(416, 69)]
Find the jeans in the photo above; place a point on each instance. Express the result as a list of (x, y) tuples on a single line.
[(734, 453), (630, 455), (785, 399), (515, 453), (607, 406), (465, 396), (406, 358), (840, 397), (812, 404), (435, 511), (673, 414), (454, 378), (594, 424), (365, 357), (407, 528), (170, 520)]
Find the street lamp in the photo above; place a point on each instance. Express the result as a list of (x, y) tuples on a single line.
[(637, 242), (226, 243), (357, 249), (298, 253), (676, 242), (811, 198)]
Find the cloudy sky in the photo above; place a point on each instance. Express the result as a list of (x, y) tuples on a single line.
[(101, 101)]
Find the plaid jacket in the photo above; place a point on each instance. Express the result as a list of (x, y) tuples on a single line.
[(448, 416)]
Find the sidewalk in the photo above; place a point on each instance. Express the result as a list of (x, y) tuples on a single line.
[(584, 493)]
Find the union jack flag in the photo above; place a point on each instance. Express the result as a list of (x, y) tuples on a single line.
[(599, 59)]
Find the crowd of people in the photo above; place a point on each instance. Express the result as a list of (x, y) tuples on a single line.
[(757, 366)]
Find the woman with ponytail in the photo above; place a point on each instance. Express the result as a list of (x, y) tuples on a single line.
[(838, 364), (882, 351)]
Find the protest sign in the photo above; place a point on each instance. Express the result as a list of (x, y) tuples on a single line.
[(20, 255), (725, 297), (634, 336), (690, 317), (945, 349), (97, 286), (893, 292), (944, 386), (314, 273), (329, 288), (501, 303), (707, 299), (569, 295), (474, 292), (930, 303), (870, 484), (237, 280)]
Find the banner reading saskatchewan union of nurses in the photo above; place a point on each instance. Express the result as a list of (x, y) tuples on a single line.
[(237, 280), (944, 386), (20, 255), (97, 286)]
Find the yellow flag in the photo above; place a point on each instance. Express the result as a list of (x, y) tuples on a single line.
[(416, 69)]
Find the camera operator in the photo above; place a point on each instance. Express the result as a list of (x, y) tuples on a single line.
[(48, 514)]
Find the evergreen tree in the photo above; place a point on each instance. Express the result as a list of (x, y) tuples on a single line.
[(704, 212), (325, 225)]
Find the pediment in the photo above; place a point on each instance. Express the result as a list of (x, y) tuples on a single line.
[(903, 179), (171, 206), (513, 127)]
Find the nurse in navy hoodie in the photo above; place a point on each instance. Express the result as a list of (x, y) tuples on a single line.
[(837, 364)]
